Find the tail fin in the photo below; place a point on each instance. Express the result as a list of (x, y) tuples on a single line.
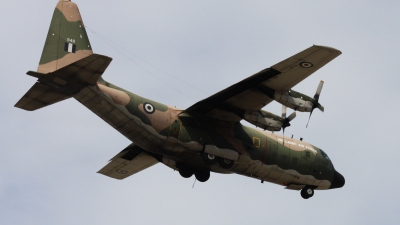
[(66, 41), (67, 64)]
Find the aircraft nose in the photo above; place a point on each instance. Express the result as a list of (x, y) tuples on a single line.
[(337, 181)]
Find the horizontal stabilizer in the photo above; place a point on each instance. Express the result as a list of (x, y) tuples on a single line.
[(39, 96), (63, 83), (87, 70), (127, 163)]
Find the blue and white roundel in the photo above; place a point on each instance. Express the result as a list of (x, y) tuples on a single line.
[(148, 108), (306, 65)]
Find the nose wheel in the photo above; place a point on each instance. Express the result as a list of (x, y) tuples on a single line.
[(307, 192)]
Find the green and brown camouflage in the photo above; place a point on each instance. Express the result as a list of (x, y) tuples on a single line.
[(267, 120), (169, 123), (206, 137), (66, 41), (295, 94)]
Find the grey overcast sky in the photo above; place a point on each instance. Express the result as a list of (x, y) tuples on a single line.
[(49, 158)]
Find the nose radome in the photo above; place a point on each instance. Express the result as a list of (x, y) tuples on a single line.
[(337, 181)]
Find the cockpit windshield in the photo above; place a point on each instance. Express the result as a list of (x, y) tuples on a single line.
[(324, 155)]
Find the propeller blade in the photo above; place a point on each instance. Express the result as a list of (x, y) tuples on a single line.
[(284, 111), (315, 101), (292, 116), (319, 89), (320, 107), (286, 121), (309, 117)]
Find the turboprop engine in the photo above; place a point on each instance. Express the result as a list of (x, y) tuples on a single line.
[(269, 121), (299, 101)]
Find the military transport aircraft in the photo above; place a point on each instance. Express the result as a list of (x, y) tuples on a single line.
[(206, 137)]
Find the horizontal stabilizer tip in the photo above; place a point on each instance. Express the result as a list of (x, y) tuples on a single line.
[(34, 74)]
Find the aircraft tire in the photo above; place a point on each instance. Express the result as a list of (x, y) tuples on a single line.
[(209, 159), (186, 172), (307, 192), (225, 163), (202, 176)]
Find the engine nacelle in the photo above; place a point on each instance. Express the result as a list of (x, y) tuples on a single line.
[(264, 120), (294, 100)]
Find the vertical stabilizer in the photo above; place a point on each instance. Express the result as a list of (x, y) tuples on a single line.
[(67, 64), (66, 41)]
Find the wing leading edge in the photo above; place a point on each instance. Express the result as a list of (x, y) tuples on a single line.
[(251, 94)]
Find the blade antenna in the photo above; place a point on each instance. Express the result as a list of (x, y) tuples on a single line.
[(194, 182)]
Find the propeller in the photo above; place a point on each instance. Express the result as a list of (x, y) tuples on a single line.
[(286, 121), (315, 100)]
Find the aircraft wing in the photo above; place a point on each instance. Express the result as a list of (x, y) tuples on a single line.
[(129, 161), (231, 103)]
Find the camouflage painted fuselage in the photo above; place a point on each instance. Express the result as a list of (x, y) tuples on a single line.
[(179, 138)]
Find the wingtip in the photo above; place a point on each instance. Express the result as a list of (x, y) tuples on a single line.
[(20, 106), (329, 48)]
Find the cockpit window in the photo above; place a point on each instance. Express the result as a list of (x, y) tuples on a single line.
[(324, 154)]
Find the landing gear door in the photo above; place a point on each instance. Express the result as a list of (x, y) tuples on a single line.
[(175, 129), (173, 136)]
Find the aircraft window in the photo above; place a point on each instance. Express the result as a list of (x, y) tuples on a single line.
[(256, 142), (330, 166), (324, 154)]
